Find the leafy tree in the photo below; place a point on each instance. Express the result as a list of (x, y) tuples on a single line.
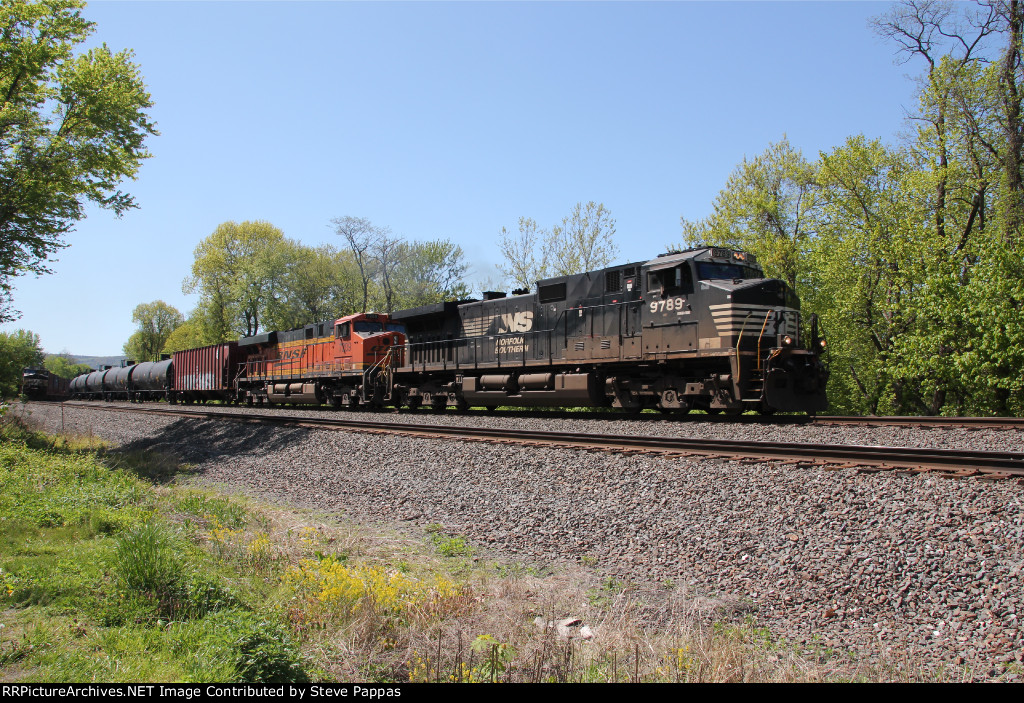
[(71, 129), (238, 273), (190, 334), (64, 365), (768, 208), (430, 272), (522, 263), (394, 273), (363, 239), (584, 241), (156, 321), (859, 269), (321, 283), (18, 350)]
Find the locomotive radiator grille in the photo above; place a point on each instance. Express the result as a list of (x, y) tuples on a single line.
[(732, 319)]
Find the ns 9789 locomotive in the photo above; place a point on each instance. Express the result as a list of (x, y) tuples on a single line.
[(696, 329)]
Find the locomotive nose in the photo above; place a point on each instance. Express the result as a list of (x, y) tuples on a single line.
[(762, 292)]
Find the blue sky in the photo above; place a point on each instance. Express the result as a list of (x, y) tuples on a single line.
[(451, 120)]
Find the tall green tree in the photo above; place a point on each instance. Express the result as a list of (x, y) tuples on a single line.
[(18, 351), (156, 321), (430, 272), (321, 283), (238, 272), (72, 128), (64, 365), (767, 207)]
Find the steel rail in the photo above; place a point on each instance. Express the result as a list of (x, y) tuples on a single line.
[(959, 462), (923, 421)]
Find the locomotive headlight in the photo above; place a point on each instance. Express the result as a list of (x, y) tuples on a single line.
[(821, 343), (787, 341)]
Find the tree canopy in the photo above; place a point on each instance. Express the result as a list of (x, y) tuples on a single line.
[(156, 321), (911, 254), (72, 128), (18, 351)]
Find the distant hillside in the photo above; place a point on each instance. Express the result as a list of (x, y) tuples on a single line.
[(97, 361)]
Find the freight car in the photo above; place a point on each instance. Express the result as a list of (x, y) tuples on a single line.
[(701, 329), (698, 329), (39, 384)]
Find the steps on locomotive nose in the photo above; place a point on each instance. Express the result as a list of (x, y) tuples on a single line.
[(755, 387)]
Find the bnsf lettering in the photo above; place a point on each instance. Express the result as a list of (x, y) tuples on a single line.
[(289, 354), (516, 322)]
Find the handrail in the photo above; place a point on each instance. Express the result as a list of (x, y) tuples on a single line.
[(759, 337)]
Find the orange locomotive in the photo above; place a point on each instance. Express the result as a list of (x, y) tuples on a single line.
[(349, 363)]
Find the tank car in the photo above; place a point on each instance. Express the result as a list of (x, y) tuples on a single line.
[(701, 329)]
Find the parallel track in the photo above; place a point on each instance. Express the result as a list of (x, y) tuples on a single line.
[(954, 463)]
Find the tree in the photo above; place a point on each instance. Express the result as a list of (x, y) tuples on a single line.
[(71, 129), (585, 241), (430, 272), (767, 208), (522, 264), (394, 273), (363, 239), (156, 321), (190, 334), (320, 283), (238, 273), (64, 365), (18, 351)]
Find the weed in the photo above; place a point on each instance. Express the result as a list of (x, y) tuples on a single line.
[(145, 559)]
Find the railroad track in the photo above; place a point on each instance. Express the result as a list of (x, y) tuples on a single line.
[(1002, 423), (947, 462)]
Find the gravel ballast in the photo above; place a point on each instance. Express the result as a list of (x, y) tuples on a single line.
[(886, 566)]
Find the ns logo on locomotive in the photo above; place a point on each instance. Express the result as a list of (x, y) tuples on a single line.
[(700, 329)]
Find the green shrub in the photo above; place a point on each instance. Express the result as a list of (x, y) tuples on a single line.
[(145, 560), (258, 650)]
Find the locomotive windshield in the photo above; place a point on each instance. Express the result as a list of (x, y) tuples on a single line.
[(365, 328), (711, 271)]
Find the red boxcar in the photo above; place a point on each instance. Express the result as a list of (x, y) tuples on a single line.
[(207, 373)]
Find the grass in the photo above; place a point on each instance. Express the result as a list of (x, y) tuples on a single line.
[(110, 571)]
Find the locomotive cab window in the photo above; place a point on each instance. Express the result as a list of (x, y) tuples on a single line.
[(712, 270), (677, 280), (342, 331)]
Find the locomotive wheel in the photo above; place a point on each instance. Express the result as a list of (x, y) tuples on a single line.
[(461, 404), (248, 401), (415, 402), (713, 411), (491, 408), (438, 403)]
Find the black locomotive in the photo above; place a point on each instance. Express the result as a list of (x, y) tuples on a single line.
[(40, 384), (696, 329)]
